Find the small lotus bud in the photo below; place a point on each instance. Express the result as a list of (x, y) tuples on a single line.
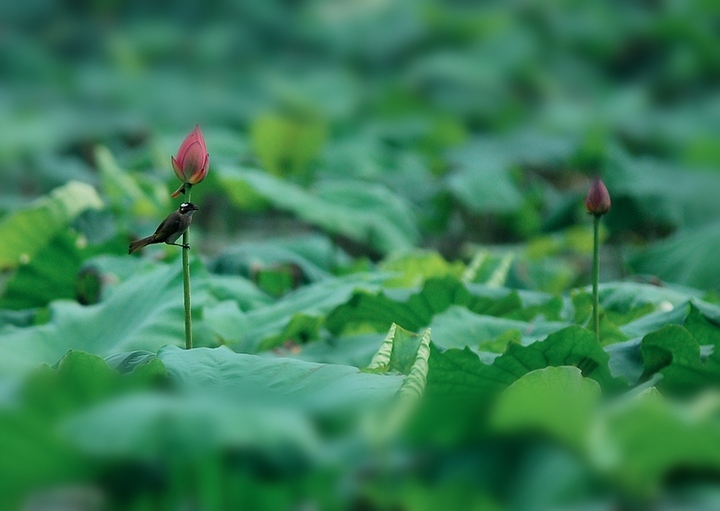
[(598, 201), (192, 161)]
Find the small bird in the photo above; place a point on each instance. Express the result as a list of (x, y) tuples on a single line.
[(170, 229)]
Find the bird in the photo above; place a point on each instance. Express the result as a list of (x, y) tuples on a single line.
[(169, 229)]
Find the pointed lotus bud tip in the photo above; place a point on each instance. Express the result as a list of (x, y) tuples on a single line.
[(192, 160), (597, 201)]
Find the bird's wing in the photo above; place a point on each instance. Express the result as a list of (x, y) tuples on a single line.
[(167, 227)]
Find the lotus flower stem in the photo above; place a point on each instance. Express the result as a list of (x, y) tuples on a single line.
[(190, 166), (186, 280), (597, 203), (595, 275)]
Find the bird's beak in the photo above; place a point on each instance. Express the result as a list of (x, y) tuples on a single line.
[(195, 208)]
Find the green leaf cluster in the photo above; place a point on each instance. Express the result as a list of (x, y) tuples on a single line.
[(389, 264)]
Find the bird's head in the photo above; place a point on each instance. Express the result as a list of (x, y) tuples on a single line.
[(187, 208)]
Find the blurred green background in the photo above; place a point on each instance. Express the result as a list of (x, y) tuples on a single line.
[(450, 142), (480, 123)]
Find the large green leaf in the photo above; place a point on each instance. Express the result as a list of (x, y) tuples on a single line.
[(651, 192), (522, 304), (622, 297), (675, 353), (416, 310), (124, 191), (285, 145), (80, 380), (697, 318), (397, 352), (55, 272), (363, 212), (157, 427), (239, 289), (34, 457), (555, 401), (145, 312), (51, 275), (701, 322), (333, 390), (644, 438), (687, 258), (458, 372), (484, 181), (28, 231), (247, 331), (458, 327), (314, 255), (414, 267), (407, 353), (380, 310), (223, 400), (655, 320), (356, 350), (484, 184)]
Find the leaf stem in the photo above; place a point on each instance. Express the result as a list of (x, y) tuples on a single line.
[(186, 279), (596, 274)]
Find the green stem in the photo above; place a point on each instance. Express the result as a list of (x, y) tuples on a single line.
[(186, 279), (596, 274)]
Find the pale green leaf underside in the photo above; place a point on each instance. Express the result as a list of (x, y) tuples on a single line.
[(27, 231)]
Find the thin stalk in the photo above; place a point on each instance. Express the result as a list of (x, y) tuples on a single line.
[(186, 279), (596, 274)]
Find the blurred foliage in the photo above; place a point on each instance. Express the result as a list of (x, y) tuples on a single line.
[(388, 264)]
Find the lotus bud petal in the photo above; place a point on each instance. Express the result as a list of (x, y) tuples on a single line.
[(201, 172), (192, 160), (597, 200), (177, 168)]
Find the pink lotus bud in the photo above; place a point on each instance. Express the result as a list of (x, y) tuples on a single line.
[(192, 161), (598, 201)]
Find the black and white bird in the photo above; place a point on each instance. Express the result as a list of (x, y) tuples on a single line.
[(169, 229)]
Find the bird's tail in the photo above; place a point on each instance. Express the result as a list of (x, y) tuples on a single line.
[(138, 244)]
